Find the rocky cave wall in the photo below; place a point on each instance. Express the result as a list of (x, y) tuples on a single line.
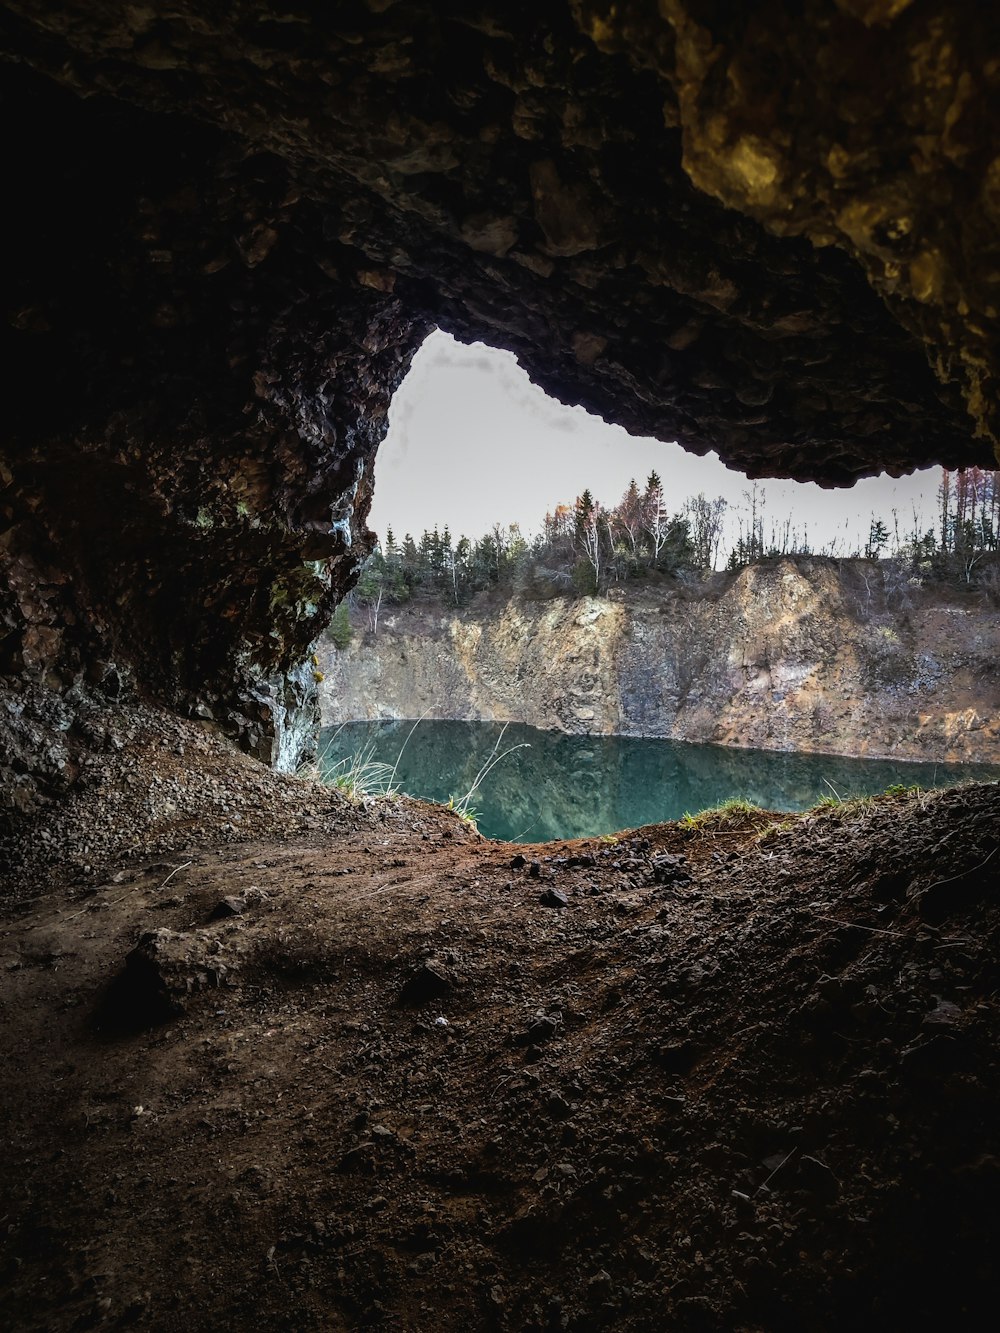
[(192, 432), (768, 231)]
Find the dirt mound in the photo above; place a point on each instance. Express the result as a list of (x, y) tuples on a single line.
[(153, 784), (736, 1076)]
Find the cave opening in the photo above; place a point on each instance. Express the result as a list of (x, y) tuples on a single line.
[(474, 444), (799, 626), (206, 347)]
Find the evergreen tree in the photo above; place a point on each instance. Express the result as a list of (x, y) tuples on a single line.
[(654, 516), (589, 543), (410, 561), (628, 518), (878, 536)]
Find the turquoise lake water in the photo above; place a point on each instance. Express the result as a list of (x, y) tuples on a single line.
[(562, 786)]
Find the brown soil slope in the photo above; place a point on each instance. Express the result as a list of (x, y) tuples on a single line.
[(393, 1078)]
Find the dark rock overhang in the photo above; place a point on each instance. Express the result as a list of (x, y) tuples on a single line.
[(576, 181), (768, 230)]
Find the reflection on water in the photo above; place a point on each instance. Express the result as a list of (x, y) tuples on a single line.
[(578, 786)]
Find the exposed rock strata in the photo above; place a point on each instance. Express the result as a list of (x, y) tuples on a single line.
[(799, 655)]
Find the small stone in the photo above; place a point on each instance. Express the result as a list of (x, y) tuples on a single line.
[(429, 982), (228, 907), (558, 1107), (816, 1177), (945, 1014), (518, 862), (553, 898), (544, 1028), (668, 869)]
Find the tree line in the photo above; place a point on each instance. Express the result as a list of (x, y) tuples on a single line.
[(585, 547), (581, 549)]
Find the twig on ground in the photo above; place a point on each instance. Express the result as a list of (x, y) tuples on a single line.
[(784, 1162), (856, 925), (962, 873), (176, 870), (124, 893)]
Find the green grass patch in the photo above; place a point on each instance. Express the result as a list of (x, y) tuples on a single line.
[(360, 775), (735, 811)]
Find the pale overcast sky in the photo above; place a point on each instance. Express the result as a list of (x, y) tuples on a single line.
[(473, 442)]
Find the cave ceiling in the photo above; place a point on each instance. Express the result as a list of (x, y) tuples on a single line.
[(768, 230)]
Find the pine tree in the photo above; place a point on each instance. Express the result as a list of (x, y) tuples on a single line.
[(587, 529), (583, 512), (878, 536), (654, 516), (628, 518)]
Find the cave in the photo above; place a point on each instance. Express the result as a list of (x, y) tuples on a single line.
[(770, 233)]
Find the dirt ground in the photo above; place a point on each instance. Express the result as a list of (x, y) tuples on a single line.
[(371, 1071)]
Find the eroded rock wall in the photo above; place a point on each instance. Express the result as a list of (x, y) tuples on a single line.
[(189, 437), (859, 124), (796, 655)]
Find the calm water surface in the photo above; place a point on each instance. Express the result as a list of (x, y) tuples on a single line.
[(581, 786)]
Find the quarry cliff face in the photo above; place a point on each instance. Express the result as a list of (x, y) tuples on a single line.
[(796, 655)]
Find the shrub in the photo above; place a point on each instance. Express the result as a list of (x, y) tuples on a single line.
[(584, 579), (339, 629)]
